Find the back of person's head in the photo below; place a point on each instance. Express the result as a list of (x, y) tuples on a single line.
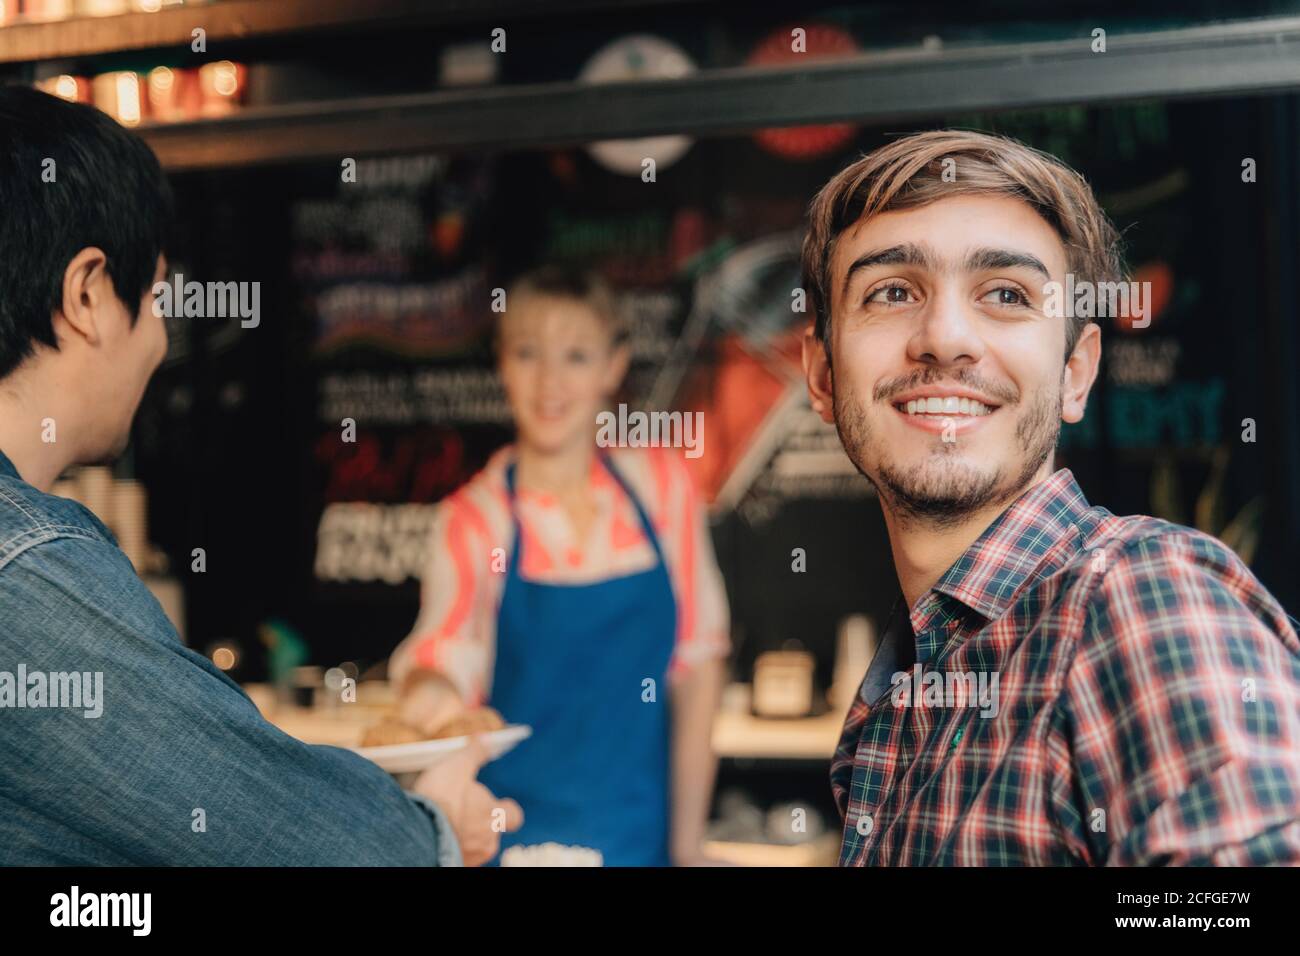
[(70, 178)]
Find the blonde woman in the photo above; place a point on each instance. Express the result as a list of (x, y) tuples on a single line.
[(574, 588)]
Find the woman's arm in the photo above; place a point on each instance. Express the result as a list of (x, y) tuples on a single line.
[(441, 666), (695, 697), (699, 663)]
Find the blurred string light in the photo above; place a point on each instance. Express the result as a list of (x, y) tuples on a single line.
[(128, 98), (65, 86), (161, 80), (225, 77), (225, 655)]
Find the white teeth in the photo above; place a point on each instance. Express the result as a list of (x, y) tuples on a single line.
[(947, 405)]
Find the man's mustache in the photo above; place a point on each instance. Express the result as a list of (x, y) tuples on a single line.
[(1003, 394)]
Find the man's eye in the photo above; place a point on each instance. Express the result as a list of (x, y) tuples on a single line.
[(1006, 295), (890, 295)]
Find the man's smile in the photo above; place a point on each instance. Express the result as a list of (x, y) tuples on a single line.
[(938, 408)]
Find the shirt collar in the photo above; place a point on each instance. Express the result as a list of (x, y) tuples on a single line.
[(989, 574), (7, 467)]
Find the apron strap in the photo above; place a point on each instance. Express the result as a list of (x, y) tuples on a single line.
[(513, 569), (647, 527)]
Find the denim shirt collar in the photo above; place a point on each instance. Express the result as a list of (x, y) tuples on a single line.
[(7, 467)]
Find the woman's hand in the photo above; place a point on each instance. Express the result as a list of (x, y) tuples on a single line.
[(475, 813)]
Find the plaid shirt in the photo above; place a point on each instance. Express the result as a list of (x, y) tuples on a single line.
[(1147, 705)]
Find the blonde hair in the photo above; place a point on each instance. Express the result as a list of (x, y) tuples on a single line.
[(909, 172), (573, 285)]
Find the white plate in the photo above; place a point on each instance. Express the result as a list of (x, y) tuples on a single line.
[(410, 758)]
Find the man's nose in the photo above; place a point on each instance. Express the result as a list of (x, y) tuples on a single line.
[(947, 332)]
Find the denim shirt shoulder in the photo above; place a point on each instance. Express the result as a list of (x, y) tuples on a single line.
[(175, 726), (29, 517)]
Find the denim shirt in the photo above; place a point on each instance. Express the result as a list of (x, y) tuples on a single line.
[(170, 763)]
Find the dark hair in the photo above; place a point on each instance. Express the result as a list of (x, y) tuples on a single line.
[(108, 191)]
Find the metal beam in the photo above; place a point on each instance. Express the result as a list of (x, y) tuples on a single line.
[(237, 20), (1236, 58)]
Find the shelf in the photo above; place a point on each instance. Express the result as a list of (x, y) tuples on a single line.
[(1247, 57), (734, 735), (824, 851), (226, 20), (741, 735)]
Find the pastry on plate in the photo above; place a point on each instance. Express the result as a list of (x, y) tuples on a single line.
[(480, 720), (390, 732)]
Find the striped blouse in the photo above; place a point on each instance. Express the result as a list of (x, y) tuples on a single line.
[(473, 535)]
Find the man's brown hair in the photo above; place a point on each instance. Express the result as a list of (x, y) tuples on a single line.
[(909, 172)]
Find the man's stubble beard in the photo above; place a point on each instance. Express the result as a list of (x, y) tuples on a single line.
[(918, 495)]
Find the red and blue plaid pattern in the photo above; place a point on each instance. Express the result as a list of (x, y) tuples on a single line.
[(1148, 705)]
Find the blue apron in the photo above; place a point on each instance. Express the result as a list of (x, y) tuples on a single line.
[(573, 662)]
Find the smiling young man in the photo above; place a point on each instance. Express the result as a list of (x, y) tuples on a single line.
[(1148, 686)]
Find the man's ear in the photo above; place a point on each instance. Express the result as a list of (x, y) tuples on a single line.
[(1080, 372), (87, 288), (817, 371)]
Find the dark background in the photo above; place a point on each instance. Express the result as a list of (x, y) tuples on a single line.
[(228, 441)]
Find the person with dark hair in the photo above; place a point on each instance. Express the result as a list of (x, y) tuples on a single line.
[(118, 745), (1058, 685)]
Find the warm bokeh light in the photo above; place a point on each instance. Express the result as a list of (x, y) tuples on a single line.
[(224, 657), (66, 87), (128, 99), (161, 80), (226, 78)]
